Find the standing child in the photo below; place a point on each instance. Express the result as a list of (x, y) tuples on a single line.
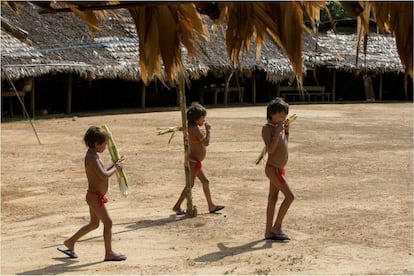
[(96, 139), (275, 136), (196, 117)]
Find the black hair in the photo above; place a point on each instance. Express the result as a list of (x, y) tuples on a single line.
[(94, 135), (194, 112), (276, 106)]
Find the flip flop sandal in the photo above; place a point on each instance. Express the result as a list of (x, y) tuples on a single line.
[(68, 252), (180, 212)]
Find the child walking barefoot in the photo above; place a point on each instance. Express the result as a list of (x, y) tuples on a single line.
[(196, 117), (96, 139), (275, 136)]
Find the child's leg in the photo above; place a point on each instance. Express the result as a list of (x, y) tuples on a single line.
[(92, 225), (284, 188), (270, 211), (206, 189), (183, 195), (102, 214)]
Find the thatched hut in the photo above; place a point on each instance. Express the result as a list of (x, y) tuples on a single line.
[(74, 69)]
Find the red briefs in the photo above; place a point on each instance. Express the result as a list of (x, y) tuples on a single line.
[(198, 164), (280, 173), (102, 199)]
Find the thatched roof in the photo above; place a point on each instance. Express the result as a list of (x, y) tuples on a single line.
[(338, 51), (62, 43)]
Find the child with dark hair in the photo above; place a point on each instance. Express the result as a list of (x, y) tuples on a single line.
[(196, 117), (275, 135), (96, 140)]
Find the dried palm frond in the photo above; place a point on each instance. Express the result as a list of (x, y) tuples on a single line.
[(161, 30), (395, 17), (281, 20), (312, 9), (287, 31), (14, 5), (172, 130)]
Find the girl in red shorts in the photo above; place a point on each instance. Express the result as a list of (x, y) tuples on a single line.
[(196, 117), (275, 136)]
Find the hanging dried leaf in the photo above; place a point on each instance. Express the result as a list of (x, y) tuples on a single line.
[(161, 30), (287, 31)]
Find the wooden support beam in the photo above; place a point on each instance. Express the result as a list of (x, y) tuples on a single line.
[(95, 6), (333, 84), (143, 94), (380, 88), (15, 31), (254, 87), (69, 94), (32, 99)]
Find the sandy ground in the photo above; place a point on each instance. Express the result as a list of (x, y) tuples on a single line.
[(350, 169)]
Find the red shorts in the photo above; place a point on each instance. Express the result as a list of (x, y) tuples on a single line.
[(198, 164), (280, 173), (102, 199)]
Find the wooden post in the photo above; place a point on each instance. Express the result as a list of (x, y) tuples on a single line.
[(278, 90), (254, 87), (333, 84), (32, 99), (143, 92), (191, 210), (380, 88), (226, 87), (69, 94)]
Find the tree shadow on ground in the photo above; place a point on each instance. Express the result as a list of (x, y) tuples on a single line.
[(68, 266), (225, 251)]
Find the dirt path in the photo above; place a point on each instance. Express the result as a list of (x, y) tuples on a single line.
[(350, 169)]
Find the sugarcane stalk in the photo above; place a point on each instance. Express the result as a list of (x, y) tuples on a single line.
[(115, 156), (172, 130), (191, 210)]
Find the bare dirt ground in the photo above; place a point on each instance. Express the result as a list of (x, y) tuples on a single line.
[(350, 169)]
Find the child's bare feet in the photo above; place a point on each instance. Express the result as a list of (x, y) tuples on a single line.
[(115, 257)]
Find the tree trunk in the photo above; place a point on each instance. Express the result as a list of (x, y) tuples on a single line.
[(191, 210)]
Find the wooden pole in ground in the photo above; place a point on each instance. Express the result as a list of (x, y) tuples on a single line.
[(32, 98), (69, 94), (191, 210), (143, 92)]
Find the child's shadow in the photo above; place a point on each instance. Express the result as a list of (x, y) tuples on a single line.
[(231, 251), (67, 265), (152, 223)]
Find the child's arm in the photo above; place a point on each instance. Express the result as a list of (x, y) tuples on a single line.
[(99, 168), (271, 141), (118, 164), (197, 135)]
